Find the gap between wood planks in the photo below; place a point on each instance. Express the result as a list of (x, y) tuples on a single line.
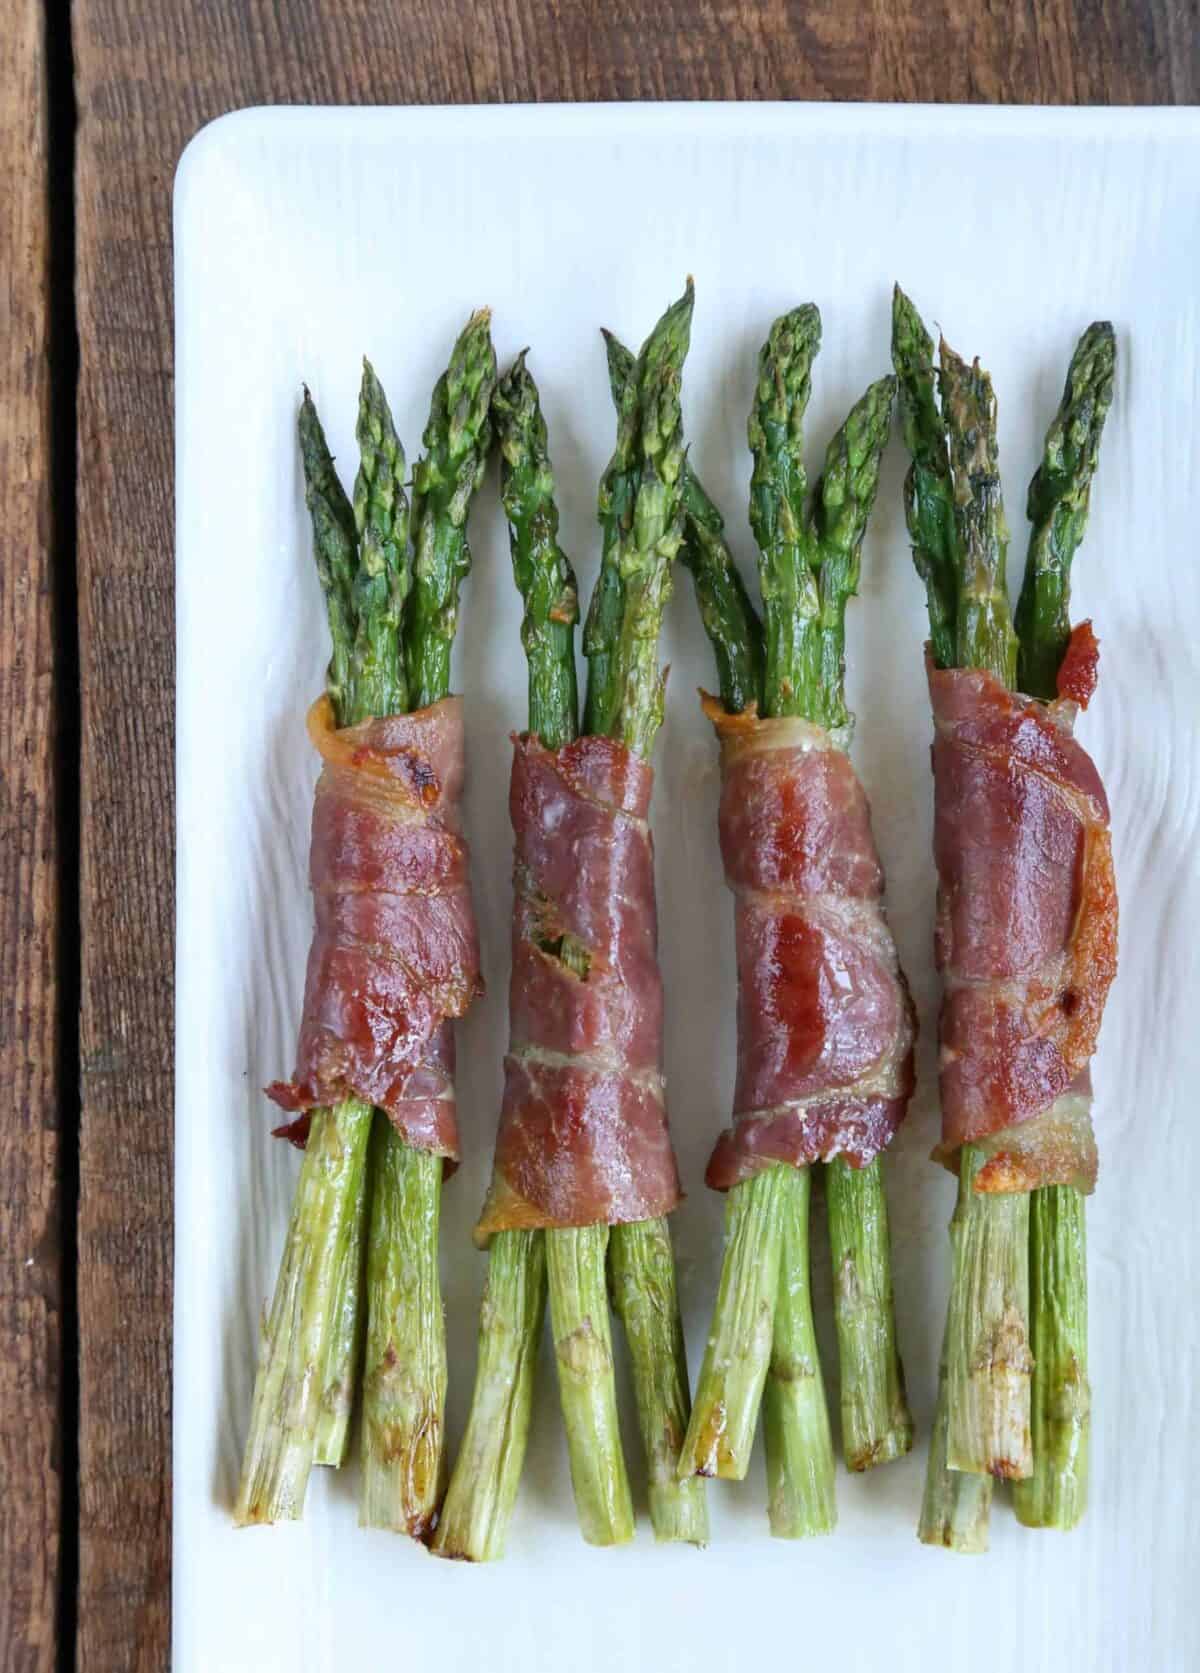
[(63, 359)]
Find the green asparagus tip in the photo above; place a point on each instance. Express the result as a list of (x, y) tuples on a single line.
[(667, 344), (1073, 440), (846, 492), (912, 346), (620, 364), (660, 372), (515, 406), (785, 376), (370, 395), (469, 382), (314, 449), (969, 403), (1058, 504)]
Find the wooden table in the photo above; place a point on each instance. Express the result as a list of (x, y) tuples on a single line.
[(86, 624)]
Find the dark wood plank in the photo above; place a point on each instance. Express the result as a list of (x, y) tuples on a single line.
[(30, 1292), (149, 73)]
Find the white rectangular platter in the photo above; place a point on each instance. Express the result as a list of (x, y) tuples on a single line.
[(305, 238)]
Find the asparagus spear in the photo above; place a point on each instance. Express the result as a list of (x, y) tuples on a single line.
[(383, 580), (575, 1257), (1055, 1495), (377, 591), (404, 1378), (626, 688), (483, 1486), (981, 1424), (487, 1472), (733, 629), (456, 442), (876, 1425), (928, 492), (1058, 504), (738, 1351), (801, 1498), (956, 1505), (988, 1359), (763, 1322), (288, 1389), (304, 1389), (618, 486)]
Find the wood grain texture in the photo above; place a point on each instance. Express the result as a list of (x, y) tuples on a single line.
[(149, 73), (30, 1290)]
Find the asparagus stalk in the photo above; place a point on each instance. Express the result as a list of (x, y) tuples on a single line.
[(1057, 508), (304, 1389), (989, 1363), (383, 579), (1055, 1495), (801, 1499), (618, 487), (791, 685), (291, 1378), (487, 1472), (377, 592), (956, 523), (483, 1486), (575, 1257), (404, 1376), (734, 630), (628, 688), (752, 1263), (456, 442), (344, 1339), (737, 1355), (404, 1381), (641, 1272), (928, 490), (876, 1424), (583, 1352), (954, 1512), (809, 568), (956, 1505)]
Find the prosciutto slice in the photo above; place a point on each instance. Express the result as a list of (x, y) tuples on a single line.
[(1026, 923), (825, 1023), (583, 1126), (394, 952)]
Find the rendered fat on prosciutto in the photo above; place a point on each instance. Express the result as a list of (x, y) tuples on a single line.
[(825, 1023), (394, 953), (1026, 923), (583, 1134)]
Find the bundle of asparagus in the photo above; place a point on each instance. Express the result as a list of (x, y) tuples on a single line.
[(394, 958), (584, 1171), (825, 1065), (1026, 933)]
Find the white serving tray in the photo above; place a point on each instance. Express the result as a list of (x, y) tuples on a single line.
[(304, 238)]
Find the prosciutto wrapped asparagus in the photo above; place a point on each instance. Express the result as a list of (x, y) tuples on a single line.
[(825, 1023), (584, 1171), (1026, 934), (393, 960)]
